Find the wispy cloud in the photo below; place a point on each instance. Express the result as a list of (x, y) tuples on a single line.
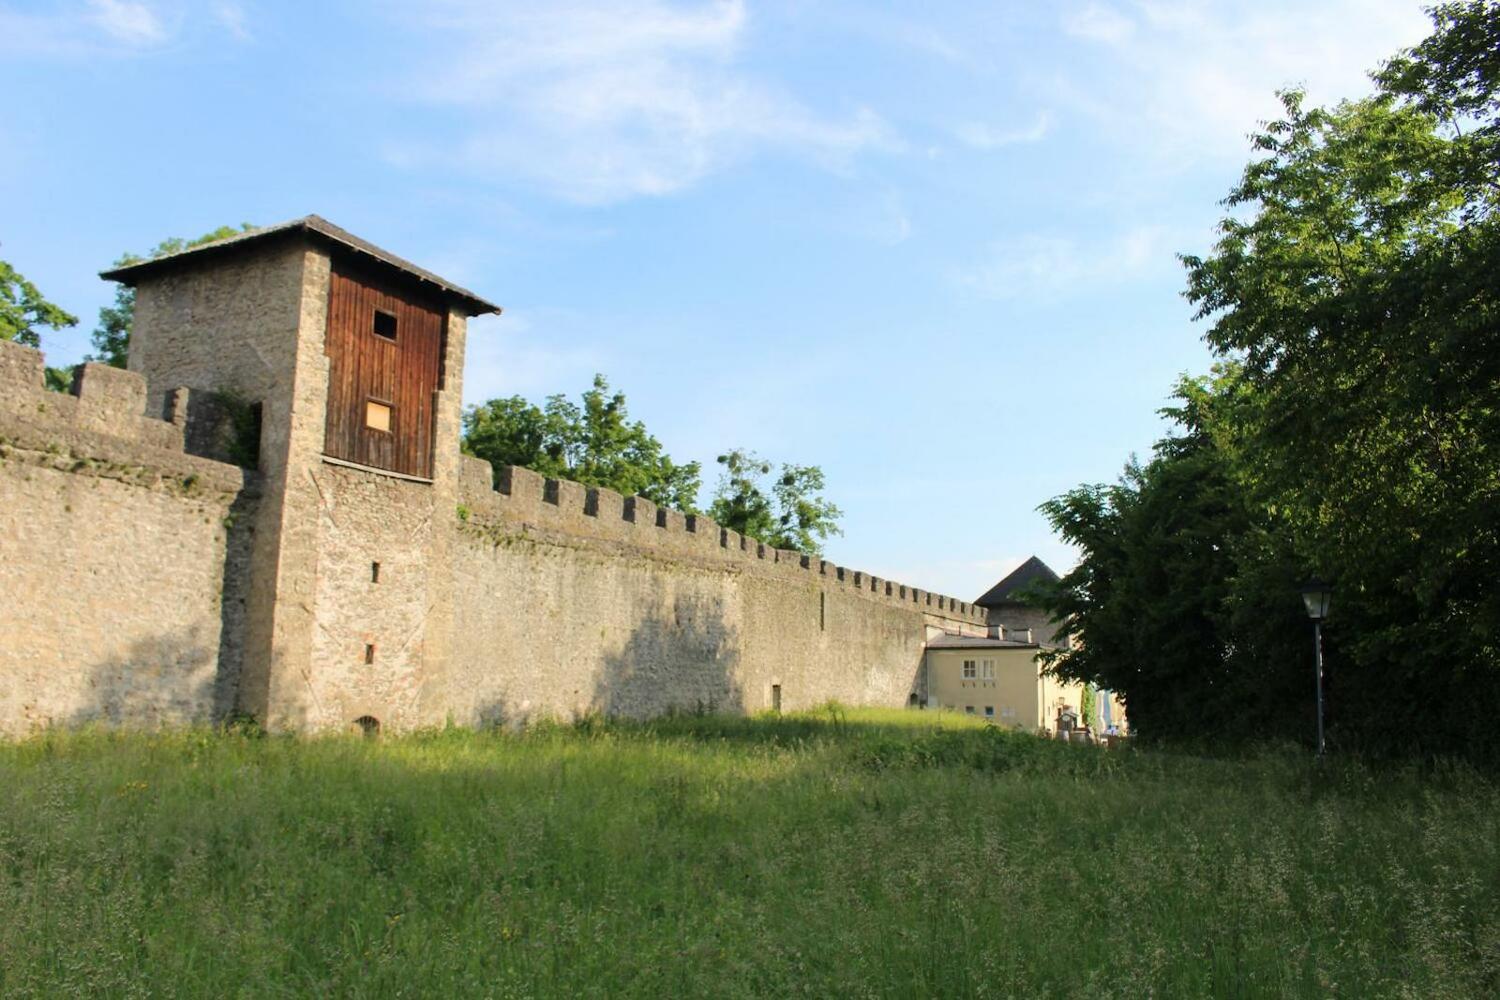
[(989, 137), (600, 102), (1046, 266), (123, 27), (128, 22), (1098, 23), (1196, 76), (232, 18)]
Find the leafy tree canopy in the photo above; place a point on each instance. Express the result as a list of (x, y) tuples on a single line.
[(1351, 430), (790, 513), (111, 338), (24, 312), (594, 443)]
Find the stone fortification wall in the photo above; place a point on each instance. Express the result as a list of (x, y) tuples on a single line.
[(122, 555), (251, 322), (378, 601), (128, 573), (570, 599)]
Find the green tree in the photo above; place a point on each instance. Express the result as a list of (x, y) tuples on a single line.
[(111, 338), (1358, 284), (24, 312), (1088, 707), (1351, 431), (740, 502), (790, 514), (594, 443), (1154, 595)]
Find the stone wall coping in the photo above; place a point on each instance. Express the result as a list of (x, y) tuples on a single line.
[(534, 503), (100, 424)]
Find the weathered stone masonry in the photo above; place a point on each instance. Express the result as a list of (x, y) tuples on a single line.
[(142, 584), (123, 559)]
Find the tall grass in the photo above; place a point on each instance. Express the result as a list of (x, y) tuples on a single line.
[(835, 853)]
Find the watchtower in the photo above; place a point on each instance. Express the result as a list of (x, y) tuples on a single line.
[(354, 358)]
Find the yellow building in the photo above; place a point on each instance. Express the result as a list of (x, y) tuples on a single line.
[(999, 677)]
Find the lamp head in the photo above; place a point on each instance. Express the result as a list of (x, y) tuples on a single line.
[(1317, 596)]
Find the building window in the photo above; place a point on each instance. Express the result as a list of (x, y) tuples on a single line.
[(968, 709), (989, 711), (374, 572), (776, 698), (378, 416), (385, 324), (988, 670), (969, 671), (369, 652)]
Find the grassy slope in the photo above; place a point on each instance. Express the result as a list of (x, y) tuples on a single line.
[(871, 855)]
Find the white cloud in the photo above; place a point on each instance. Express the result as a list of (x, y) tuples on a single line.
[(1046, 266), (129, 22), (231, 17), (1194, 77), (604, 101), (988, 137), (87, 28), (1098, 23)]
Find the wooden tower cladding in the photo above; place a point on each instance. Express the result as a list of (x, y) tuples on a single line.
[(385, 351)]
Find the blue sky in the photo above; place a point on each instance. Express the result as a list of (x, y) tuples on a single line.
[(928, 246)]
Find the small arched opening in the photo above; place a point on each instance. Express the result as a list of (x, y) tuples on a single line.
[(368, 726)]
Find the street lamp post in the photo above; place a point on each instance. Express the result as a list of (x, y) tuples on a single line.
[(1317, 595)]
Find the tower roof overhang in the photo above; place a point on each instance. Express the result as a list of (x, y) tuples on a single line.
[(317, 230)]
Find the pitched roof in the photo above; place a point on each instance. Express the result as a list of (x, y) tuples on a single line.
[(317, 228), (1029, 572)]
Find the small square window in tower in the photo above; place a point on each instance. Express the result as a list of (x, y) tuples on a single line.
[(385, 324), (378, 416), (385, 344)]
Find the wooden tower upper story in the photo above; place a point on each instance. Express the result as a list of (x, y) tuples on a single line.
[(240, 315)]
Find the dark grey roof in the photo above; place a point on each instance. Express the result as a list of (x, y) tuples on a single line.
[(317, 228), (977, 642), (1029, 572)]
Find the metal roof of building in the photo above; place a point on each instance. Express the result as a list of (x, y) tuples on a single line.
[(977, 642), (1029, 572), (317, 228)]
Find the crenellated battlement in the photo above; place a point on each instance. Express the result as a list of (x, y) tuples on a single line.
[(101, 422), (124, 556), (363, 572), (522, 497)]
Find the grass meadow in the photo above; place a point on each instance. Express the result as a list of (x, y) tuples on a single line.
[(859, 853)]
